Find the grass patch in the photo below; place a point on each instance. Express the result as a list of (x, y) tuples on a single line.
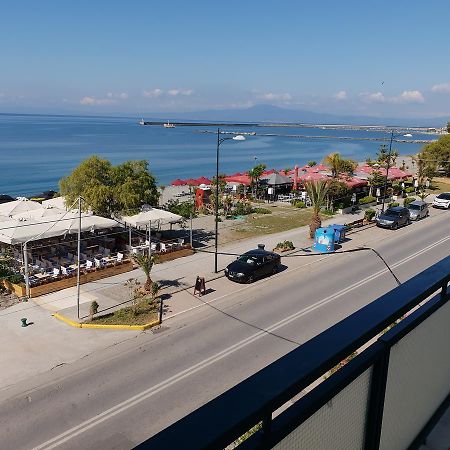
[(440, 185), (281, 219), (144, 313)]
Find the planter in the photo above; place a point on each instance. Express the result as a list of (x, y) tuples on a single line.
[(367, 205)]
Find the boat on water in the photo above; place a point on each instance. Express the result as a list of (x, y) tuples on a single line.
[(141, 122), (169, 125)]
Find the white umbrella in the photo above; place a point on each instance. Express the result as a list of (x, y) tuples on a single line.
[(18, 206), (152, 215)]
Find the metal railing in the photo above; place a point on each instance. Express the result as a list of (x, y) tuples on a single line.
[(367, 403)]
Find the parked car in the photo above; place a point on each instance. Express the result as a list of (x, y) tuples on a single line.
[(418, 210), (253, 265), (442, 200), (394, 218)]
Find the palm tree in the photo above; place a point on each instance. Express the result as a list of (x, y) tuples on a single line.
[(317, 192), (255, 174), (145, 262), (333, 160)]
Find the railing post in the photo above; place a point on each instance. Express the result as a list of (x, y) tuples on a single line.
[(374, 418)]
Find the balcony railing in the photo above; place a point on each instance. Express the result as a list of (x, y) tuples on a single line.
[(389, 396)]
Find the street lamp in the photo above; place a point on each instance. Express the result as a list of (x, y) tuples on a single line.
[(238, 137), (389, 164)]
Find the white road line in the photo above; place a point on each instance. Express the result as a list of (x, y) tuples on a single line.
[(144, 395)]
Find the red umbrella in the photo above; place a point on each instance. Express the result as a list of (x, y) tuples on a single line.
[(241, 179), (353, 182), (203, 180), (178, 182), (313, 176), (191, 182)]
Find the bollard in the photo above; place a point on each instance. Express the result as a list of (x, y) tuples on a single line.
[(24, 322)]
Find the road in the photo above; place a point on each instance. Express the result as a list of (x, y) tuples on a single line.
[(116, 398)]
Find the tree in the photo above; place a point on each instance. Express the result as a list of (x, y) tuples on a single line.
[(338, 164), (434, 156), (317, 192), (145, 262), (255, 174), (109, 189), (337, 190), (376, 180), (312, 163)]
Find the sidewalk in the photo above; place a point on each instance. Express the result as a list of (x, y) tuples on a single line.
[(174, 276)]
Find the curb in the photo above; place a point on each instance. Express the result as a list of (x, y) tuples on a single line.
[(104, 327)]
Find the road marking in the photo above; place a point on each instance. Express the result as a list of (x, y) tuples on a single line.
[(144, 395)]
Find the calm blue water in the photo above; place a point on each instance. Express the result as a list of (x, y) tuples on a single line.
[(36, 151)]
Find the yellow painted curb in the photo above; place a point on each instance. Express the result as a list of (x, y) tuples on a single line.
[(104, 327)]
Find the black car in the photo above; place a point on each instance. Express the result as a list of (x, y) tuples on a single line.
[(252, 265), (394, 218)]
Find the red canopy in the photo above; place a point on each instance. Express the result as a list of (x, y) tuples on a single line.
[(191, 182), (241, 179), (353, 182), (178, 182)]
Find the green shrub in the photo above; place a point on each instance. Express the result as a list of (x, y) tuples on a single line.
[(16, 279), (368, 199), (242, 209), (393, 204), (262, 211), (327, 212), (298, 204), (409, 189), (369, 214), (408, 200), (285, 245)]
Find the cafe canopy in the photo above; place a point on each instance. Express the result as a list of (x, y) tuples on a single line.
[(153, 215)]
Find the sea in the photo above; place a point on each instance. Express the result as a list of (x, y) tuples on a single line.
[(36, 151)]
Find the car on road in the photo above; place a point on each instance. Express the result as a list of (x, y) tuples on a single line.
[(442, 200), (394, 217), (418, 210), (252, 265)]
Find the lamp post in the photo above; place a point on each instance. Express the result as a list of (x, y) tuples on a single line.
[(389, 164), (238, 137)]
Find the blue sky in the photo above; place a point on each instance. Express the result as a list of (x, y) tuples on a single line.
[(384, 58)]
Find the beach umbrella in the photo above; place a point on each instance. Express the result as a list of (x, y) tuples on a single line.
[(178, 182), (241, 179), (191, 182), (203, 180), (313, 176)]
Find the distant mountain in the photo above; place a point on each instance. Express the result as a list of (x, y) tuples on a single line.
[(270, 113)]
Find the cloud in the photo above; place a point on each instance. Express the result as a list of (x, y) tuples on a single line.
[(414, 96), (175, 92), (121, 96), (270, 96), (153, 93), (443, 88), (409, 97), (341, 95), (97, 101)]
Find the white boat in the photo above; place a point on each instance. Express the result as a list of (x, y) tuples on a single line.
[(141, 122), (169, 125)]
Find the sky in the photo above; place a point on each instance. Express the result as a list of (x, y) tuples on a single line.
[(381, 59)]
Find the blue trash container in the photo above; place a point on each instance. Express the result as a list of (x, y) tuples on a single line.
[(339, 233), (324, 240)]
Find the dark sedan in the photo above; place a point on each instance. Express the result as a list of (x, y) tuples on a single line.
[(253, 265), (394, 217)]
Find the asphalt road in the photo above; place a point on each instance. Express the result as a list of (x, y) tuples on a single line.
[(116, 398)]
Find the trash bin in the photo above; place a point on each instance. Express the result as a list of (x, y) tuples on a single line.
[(339, 233), (324, 240)]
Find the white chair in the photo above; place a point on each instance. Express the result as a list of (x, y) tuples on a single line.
[(119, 257), (180, 242), (98, 263), (89, 264), (153, 246), (56, 272), (64, 271), (163, 247)]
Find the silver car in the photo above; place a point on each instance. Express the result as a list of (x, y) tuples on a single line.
[(418, 210)]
